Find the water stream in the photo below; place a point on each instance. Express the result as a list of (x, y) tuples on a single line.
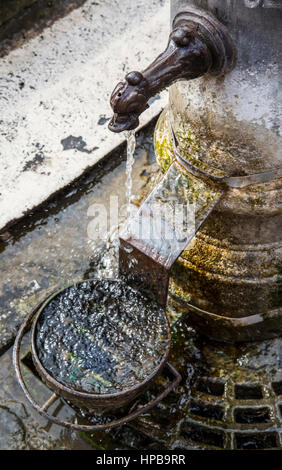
[(131, 144), (81, 356), (111, 240)]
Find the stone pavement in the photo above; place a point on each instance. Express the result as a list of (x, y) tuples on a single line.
[(54, 96)]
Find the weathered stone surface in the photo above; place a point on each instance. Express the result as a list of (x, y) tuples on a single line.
[(54, 96), (23, 19)]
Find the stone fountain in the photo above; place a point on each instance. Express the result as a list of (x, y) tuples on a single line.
[(219, 138)]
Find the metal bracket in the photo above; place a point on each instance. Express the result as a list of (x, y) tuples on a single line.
[(230, 181)]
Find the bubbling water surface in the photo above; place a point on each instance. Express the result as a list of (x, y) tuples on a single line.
[(101, 337)]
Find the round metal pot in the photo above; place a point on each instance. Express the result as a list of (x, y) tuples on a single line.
[(93, 403)]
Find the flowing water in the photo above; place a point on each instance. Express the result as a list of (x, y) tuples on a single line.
[(131, 145), (111, 239), (101, 337)]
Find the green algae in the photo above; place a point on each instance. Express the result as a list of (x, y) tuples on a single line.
[(200, 151), (163, 144)]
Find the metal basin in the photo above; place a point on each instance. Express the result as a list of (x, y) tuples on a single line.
[(97, 403)]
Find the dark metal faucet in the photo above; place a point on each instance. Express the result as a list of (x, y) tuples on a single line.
[(198, 44)]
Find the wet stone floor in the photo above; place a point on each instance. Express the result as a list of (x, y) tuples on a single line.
[(229, 397)]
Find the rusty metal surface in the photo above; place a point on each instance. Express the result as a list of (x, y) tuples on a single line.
[(228, 131), (230, 276), (142, 272), (198, 45), (232, 329)]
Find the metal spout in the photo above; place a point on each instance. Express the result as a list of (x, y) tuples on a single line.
[(198, 44), (156, 235)]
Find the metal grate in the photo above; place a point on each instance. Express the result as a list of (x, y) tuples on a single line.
[(237, 406), (244, 416), (231, 396)]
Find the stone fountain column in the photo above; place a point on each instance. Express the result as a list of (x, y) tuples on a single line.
[(230, 276)]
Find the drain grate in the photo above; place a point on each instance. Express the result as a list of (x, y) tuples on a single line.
[(252, 415), (207, 410), (201, 434), (235, 395), (277, 387), (248, 392), (256, 441), (230, 397), (246, 415), (210, 386)]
